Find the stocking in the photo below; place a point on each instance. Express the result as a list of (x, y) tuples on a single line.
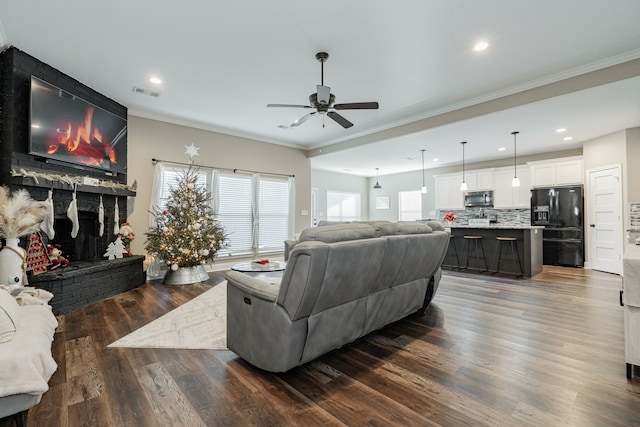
[(72, 213), (116, 219), (47, 222), (101, 218)]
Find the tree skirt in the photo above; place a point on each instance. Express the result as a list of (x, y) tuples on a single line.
[(198, 324)]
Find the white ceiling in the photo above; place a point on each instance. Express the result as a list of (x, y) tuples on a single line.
[(221, 62)]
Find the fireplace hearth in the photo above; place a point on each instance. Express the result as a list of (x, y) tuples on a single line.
[(85, 282)]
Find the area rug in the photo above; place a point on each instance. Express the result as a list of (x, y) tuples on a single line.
[(198, 324)]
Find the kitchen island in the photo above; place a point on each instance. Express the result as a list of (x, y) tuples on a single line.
[(529, 246)]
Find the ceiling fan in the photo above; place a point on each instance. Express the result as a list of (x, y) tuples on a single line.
[(323, 102)]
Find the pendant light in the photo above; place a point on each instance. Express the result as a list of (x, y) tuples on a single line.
[(424, 187), (515, 182), (377, 185), (463, 186)]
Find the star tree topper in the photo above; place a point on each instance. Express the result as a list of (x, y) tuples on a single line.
[(192, 151)]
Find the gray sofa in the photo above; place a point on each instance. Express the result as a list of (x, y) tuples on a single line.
[(341, 282)]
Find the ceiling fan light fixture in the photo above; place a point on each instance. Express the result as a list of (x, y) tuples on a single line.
[(322, 101)]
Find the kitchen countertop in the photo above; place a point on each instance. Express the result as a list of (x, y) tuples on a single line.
[(497, 226)]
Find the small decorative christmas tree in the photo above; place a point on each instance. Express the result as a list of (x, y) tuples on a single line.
[(37, 257), (115, 249), (186, 234)]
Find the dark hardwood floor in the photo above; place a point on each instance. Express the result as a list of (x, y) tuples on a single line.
[(490, 351)]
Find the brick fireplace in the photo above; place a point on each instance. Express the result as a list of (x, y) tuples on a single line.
[(89, 275)]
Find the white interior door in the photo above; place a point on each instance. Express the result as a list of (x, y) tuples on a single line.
[(605, 219)]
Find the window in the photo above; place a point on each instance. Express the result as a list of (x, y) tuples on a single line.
[(234, 200), (343, 206), (170, 178), (274, 214), (409, 205), (235, 213)]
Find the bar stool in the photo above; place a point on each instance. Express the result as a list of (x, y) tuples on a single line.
[(452, 241), (477, 244), (515, 255)]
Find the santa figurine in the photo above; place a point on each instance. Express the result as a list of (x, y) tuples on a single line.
[(126, 236)]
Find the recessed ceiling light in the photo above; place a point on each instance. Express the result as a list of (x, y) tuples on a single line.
[(502, 149), (481, 46), (410, 158), (435, 159), (567, 138), (560, 130), (155, 80), (348, 170)]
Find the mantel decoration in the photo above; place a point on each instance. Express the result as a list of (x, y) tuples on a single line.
[(20, 215), (71, 180), (185, 234), (450, 216)]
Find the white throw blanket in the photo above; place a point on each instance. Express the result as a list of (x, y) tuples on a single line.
[(26, 364)]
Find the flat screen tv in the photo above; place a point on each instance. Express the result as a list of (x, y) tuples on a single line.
[(69, 129)]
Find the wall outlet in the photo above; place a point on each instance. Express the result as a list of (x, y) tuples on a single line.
[(304, 212)]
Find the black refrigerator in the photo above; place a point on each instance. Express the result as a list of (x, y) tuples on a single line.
[(561, 211)]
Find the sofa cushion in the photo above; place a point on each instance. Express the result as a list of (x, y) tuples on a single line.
[(383, 228), (413, 228), (9, 315), (337, 233), (324, 223), (435, 225)]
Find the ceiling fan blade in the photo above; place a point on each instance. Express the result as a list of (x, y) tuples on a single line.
[(302, 119), (288, 105), (339, 119), (324, 92), (357, 106)]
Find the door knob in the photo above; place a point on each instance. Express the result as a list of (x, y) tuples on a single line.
[(592, 225)]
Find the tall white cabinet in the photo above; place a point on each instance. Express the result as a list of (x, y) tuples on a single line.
[(631, 300)]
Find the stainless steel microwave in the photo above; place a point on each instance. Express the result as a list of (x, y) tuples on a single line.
[(478, 199)]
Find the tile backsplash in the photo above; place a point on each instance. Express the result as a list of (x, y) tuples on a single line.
[(503, 216)]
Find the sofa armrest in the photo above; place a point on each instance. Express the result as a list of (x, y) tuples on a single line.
[(288, 247), (254, 286)]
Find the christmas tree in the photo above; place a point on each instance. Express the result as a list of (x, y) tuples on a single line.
[(186, 234)]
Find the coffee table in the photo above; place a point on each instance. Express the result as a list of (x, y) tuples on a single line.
[(254, 267)]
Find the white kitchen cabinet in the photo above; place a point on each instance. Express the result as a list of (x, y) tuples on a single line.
[(481, 179), (556, 172), (448, 194), (507, 197), (569, 172)]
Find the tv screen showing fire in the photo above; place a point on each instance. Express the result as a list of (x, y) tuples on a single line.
[(67, 128)]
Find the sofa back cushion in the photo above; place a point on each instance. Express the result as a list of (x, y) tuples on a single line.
[(337, 233)]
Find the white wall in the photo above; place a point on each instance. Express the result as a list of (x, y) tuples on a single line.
[(149, 139), (633, 171), (324, 181), (392, 185)]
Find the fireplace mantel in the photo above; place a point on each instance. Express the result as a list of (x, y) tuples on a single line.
[(29, 182)]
